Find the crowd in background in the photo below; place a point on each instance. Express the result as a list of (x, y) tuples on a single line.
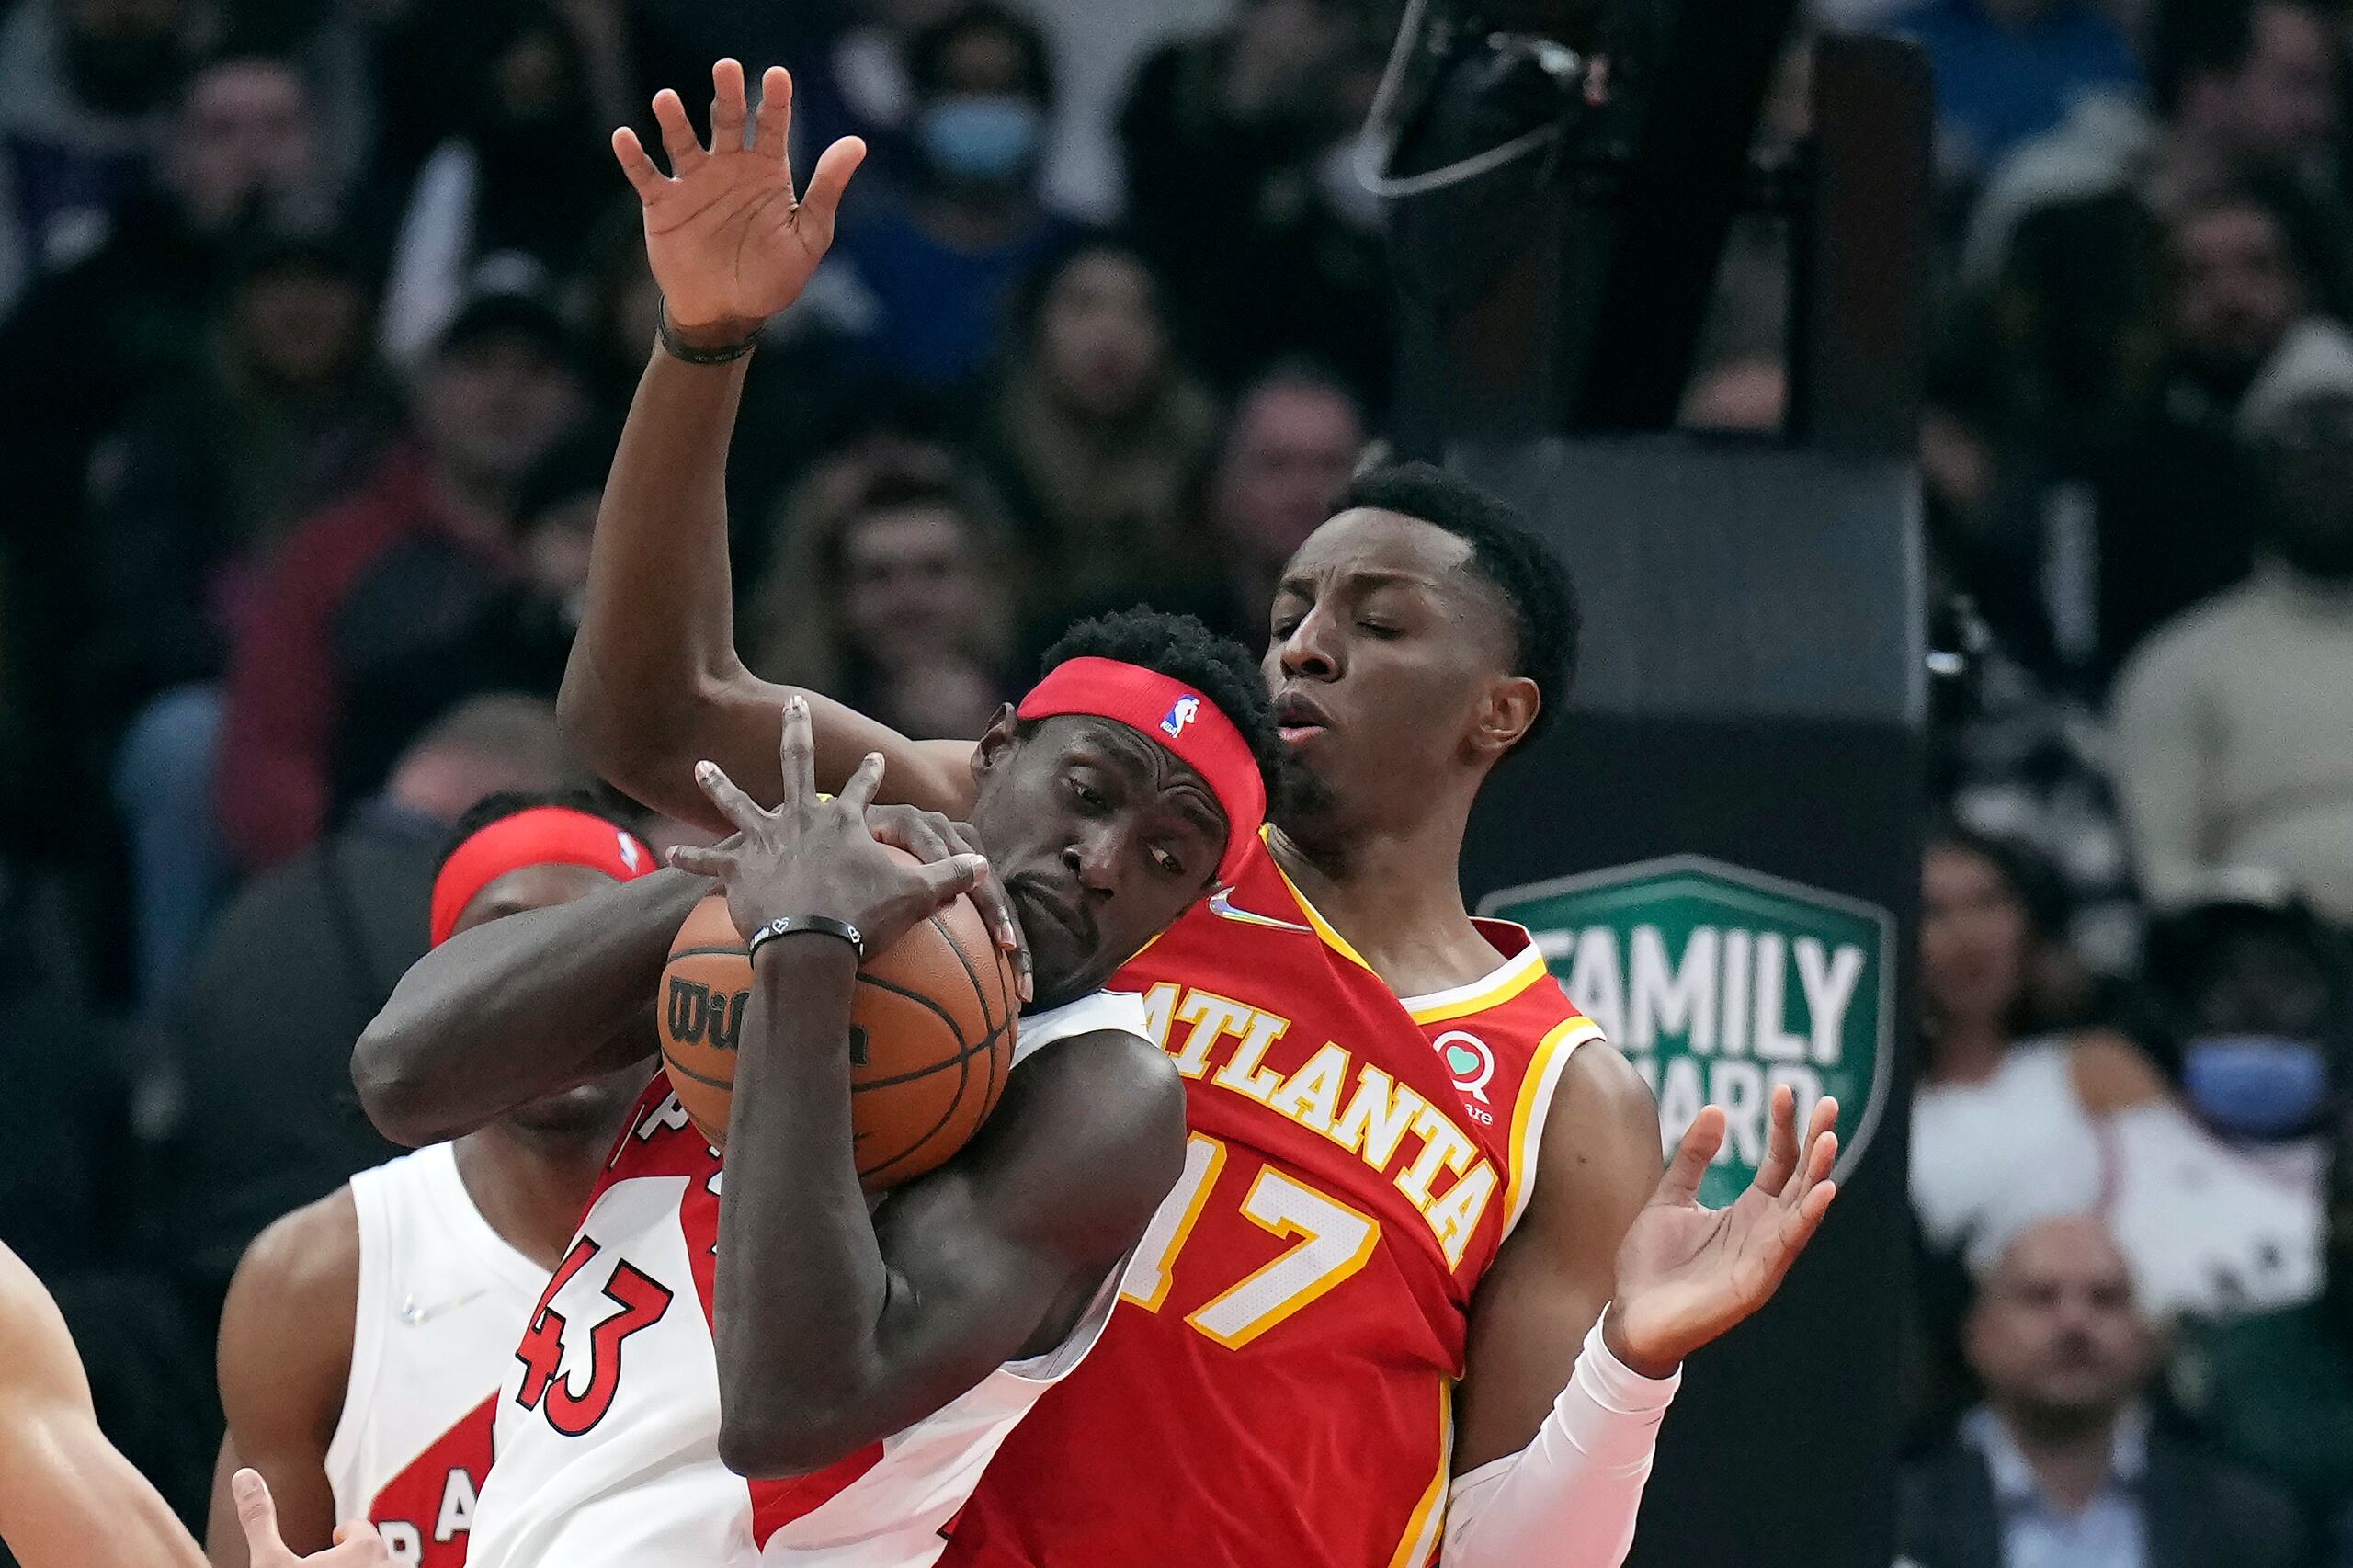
[(318, 317)]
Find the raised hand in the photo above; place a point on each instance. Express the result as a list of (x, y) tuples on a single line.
[(356, 1545), (1686, 1274), (813, 856), (730, 242)]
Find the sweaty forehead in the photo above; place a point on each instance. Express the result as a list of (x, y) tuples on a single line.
[(1144, 763), (529, 887)]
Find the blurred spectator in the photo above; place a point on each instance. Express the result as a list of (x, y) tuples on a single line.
[(1289, 447), (298, 964), (1093, 436), (2149, 512), (2019, 762), (288, 411), (2233, 722), (2243, 89), (2016, 1120), (936, 265), (2006, 70), (434, 620), (893, 602), (2061, 1468), (84, 345), (499, 390), (1242, 196), (83, 85), (2258, 987), (243, 149), (511, 198)]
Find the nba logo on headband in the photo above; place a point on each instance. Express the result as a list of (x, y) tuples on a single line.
[(1188, 709)]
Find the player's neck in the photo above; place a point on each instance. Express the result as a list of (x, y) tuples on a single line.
[(531, 1187), (1396, 895)]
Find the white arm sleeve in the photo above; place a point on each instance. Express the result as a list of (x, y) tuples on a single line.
[(1568, 1499)]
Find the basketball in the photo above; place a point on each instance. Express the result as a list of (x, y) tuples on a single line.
[(931, 1035)]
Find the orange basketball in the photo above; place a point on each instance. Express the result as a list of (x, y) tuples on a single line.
[(931, 1035)]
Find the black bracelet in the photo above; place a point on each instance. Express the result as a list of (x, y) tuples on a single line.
[(677, 348), (786, 926)]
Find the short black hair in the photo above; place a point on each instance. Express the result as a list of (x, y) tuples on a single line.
[(1504, 552), (928, 50), (507, 803), (1181, 648)]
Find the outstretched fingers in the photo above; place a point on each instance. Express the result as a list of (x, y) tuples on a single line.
[(1782, 1145), (728, 109), (637, 164), (859, 793), (772, 126), (733, 804), (797, 754), (677, 134), (830, 179), (1680, 1184)]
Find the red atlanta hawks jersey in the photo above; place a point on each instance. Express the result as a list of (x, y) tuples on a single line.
[(1275, 1385), (441, 1297), (608, 1427)]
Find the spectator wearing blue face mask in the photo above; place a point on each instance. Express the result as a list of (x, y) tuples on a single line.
[(930, 272)]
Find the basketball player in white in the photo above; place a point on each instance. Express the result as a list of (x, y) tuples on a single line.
[(68, 1499), (365, 1336)]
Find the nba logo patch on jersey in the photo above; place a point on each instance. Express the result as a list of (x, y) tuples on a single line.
[(630, 852), (1187, 709)]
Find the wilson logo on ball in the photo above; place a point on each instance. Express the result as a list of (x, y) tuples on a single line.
[(699, 1015)]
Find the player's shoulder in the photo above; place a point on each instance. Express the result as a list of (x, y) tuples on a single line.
[(1605, 1117), (1091, 1134), (305, 1260)]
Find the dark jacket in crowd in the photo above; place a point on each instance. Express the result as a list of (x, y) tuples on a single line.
[(2196, 1513), (295, 968)]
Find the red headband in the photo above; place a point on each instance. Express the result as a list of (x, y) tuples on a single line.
[(1164, 710), (540, 836)]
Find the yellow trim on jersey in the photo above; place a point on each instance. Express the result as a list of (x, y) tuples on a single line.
[(1203, 1187), (1511, 978), (1526, 1113), (1331, 938), (1419, 1544)]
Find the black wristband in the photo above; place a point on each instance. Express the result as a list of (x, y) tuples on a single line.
[(788, 925), (677, 348)]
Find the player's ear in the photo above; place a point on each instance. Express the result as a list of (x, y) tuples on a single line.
[(1505, 716), (996, 741)]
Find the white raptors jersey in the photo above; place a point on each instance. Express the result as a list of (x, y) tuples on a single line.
[(608, 1427), (442, 1297)]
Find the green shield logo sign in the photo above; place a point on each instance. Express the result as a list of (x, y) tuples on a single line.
[(1720, 984)]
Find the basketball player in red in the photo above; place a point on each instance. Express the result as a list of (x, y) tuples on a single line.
[(1424, 1283), (366, 1334), (750, 1362), (68, 1499)]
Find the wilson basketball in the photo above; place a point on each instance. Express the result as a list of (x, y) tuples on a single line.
[(931, 1035)]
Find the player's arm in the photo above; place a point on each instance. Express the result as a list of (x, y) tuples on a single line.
[(285, 1357), (521, 1007), (833, 1330), (1613, 1276), (654, 685), (67, 1498)]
